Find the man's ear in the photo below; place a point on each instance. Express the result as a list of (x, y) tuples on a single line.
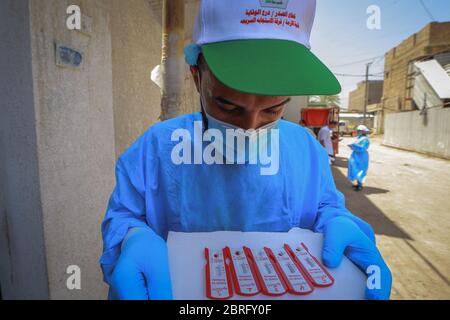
[(195, 75)]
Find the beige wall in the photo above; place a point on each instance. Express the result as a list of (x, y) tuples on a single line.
[(74, 112), (136, 50), (357, 97), (59, 155), (293, 109), (191, 97), (63, 130)]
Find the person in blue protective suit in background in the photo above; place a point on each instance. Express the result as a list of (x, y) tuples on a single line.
[(245, 74), (358, 164)]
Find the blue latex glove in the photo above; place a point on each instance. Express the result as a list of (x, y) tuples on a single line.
[(142, 271), (342, 235)]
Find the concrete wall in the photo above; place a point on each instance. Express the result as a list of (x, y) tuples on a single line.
[(57, 149), (428, 133), (62, 129), (293, 109), (23, 272), (191, 97), (136, 50), (378, 123), (75, 133)]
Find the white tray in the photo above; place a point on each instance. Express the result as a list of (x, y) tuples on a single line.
[(187, 263)]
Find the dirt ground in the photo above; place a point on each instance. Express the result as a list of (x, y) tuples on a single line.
[(407, 201)]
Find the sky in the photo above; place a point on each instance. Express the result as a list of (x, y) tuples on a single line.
[(342, 40)]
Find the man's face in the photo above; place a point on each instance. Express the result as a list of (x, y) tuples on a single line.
[(247, 111)]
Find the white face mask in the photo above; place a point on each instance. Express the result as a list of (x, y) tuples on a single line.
[(240, 145)]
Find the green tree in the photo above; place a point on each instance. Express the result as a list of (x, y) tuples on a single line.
[(331, 100)]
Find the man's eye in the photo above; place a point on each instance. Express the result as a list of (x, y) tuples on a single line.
[(274, 111), (228, 109)]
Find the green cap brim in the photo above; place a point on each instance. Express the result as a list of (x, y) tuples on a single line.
[(269, 67)]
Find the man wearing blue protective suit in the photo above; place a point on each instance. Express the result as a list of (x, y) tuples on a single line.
[(358, 164), (187, 175)]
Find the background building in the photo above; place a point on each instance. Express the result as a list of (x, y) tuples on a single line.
[(357, 97), (416, 95), (432, 40), (349, 121)]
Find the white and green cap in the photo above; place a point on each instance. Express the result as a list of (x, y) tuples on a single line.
[(262, 47)]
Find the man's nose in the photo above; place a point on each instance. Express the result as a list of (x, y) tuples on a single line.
[(250, 121)]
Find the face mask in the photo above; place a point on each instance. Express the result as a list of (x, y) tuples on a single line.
[(241, 146)]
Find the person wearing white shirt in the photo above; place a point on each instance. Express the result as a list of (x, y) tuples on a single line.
[(324, 136)]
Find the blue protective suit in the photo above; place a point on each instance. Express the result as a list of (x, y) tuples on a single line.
[(152, 191), (358, 164)]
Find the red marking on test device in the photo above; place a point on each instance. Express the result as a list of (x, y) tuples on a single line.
[(218, 279), (268, 275), (313, 269), (263, 270), (296, 282), (243, 271)]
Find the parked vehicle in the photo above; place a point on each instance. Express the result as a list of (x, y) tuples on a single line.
[(346, 129)]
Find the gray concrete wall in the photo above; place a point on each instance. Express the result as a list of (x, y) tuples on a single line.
[(75, 135), (23, 271), (428, 133), (378, 126)]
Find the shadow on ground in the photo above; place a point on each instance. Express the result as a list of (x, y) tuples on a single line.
[(359, 204)]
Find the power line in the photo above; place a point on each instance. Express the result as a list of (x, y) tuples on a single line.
[(427, 11), (356, 62), (380, 59), (395, 67)]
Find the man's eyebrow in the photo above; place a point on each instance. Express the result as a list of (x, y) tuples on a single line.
[(225, 101), (280, 104)]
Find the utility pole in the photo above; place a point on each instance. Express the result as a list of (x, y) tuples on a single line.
[(366, 96), (172, 62)]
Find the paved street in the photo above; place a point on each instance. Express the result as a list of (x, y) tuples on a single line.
[(407, 201)]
